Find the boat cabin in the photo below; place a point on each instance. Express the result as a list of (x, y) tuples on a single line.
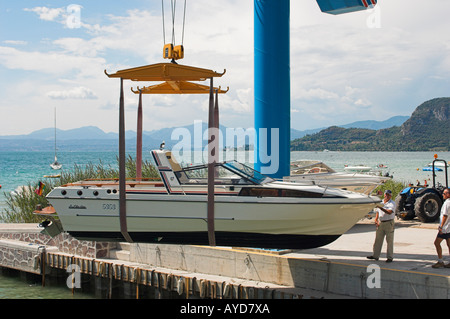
[(231, 178), (227, 173)]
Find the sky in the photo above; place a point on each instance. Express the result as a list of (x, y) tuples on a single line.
[(368, 65)]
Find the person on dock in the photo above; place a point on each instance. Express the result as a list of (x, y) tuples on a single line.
[(384, 220), (443, 231)]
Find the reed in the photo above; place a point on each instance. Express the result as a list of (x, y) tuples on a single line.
[(21, 203), (395, 187)]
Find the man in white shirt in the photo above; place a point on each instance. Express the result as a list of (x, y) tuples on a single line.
[(384, 221), (444, 230)]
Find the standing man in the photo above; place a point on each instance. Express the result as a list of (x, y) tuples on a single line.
[(384, 221), (444, 230)]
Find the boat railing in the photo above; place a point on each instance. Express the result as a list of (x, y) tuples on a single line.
[(154, 182)]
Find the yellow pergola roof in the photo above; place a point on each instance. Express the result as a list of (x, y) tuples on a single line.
[(165, 72), (177, 87)]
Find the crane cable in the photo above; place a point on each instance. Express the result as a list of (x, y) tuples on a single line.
[(164, 27), (173, 4), (184, 21)]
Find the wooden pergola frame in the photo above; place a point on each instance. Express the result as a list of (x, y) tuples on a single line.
[(176, 81)]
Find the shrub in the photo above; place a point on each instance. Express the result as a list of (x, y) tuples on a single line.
[(394, 186), (22, 203)]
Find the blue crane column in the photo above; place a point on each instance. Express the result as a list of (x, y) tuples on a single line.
[(272, 87), (272, 79)]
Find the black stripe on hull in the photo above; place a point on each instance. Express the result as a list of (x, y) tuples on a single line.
[(235, 239)]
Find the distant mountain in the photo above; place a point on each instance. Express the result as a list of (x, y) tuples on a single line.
[(378, 125), (428, 129), (91, 138), (370, 124), (83, 133)]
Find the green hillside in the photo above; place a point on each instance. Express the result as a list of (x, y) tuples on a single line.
[(428, 129)]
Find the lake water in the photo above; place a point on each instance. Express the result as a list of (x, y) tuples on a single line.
[(16, 286), (19, 168)]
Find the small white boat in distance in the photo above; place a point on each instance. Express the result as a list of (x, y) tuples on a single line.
[(251, 210), (321, 174), (56, 165), (357, 168), (438, 164)]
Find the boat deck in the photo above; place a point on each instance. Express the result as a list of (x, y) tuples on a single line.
[(115, 182)]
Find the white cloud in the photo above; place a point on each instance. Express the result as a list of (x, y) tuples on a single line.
[(75, 93), (15, 42), (57, 63), (315, 93), (363, 102), (47, 14)]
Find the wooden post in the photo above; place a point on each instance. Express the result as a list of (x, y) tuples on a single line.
[(217, 133), (122, 175), (43, 262), (211, 169), (139, 140)]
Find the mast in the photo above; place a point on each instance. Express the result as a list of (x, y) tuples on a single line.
[(55, 135)]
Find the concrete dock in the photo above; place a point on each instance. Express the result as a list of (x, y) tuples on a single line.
[(338, 270)]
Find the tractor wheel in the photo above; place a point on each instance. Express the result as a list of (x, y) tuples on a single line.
[(400, 208), (428, 207)]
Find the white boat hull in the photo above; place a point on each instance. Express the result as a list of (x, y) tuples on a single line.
[(321, 174), (359, 183), (250, 209), (358, 168), (243, 221)]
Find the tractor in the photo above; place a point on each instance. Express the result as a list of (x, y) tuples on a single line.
[(422, 201)]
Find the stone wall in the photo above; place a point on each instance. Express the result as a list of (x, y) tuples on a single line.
[(63, 242), (21, 256)]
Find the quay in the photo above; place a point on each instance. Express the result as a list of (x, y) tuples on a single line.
[(338, 270)]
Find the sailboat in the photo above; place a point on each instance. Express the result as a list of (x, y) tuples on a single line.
[(55, 165)]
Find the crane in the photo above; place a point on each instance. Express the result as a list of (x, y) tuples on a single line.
[(170, 50), (272, 75), (272, 79)]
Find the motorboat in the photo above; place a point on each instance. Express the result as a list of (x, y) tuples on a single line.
[(251, 209), (321, 174), (438, 164)]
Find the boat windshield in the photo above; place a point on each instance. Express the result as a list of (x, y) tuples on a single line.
[(226, 173), (247, 172)]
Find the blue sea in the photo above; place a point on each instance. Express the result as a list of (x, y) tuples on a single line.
[(20, 168)]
